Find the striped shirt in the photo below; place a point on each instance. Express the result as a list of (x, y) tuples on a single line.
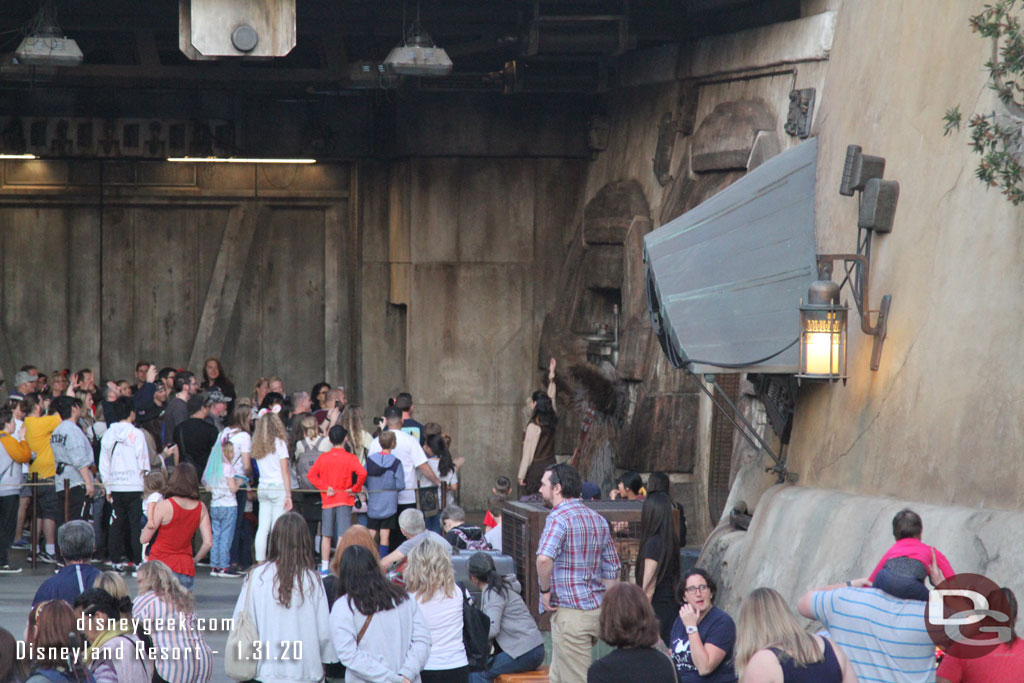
[(885, 638), (183, 656), (578, 540)]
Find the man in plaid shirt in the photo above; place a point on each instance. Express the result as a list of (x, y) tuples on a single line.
[(576, 564)]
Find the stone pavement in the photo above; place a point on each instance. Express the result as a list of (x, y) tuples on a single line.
[(215, 599)]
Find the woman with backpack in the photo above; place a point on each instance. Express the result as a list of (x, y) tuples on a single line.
[(53, 631), (308, 447)]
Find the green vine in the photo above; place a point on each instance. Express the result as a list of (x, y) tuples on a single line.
[(998, 138)]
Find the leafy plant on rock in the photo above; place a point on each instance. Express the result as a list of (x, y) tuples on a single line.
[(999, 138)]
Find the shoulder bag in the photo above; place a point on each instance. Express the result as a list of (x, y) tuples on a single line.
[(240, 661), (476, 626)]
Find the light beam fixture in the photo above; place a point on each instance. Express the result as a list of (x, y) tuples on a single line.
[(417, 55), (823, 321), (239, 160)]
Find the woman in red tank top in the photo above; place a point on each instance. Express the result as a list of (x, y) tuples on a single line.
[(177, 517)]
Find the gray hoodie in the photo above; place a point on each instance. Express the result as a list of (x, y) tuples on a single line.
[(72, 450), (511, 623)]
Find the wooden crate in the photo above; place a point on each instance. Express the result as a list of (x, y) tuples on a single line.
[(523, 523)]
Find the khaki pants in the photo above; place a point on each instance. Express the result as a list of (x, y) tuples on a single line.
[(573, 634)]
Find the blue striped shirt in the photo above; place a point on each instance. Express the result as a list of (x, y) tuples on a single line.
[(885, 638)]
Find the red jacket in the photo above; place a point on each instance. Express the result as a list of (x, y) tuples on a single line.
[(335, 469)]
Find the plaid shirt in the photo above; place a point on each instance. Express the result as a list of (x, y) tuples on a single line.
[(578, 540)]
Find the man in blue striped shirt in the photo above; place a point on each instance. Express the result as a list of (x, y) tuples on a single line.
[(885, 638)]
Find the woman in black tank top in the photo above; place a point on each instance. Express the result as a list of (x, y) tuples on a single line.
[(772, 647)]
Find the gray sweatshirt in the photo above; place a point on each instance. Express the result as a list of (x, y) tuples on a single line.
[(511, 623), (72, 449)]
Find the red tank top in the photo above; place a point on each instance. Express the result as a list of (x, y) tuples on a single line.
[(173, 544)]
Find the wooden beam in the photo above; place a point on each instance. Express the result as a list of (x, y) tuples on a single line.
[(228, 271)]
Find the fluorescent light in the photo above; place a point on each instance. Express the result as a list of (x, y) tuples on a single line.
[(239, 160), (18, 156)]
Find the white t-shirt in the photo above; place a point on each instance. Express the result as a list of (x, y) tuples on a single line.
[(270, 466), (408, 450), (444, 621), (494, 537), (450, 478), (242, 443), (154, 497), (221, 496)]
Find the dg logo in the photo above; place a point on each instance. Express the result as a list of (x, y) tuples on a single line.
[(968, 616)]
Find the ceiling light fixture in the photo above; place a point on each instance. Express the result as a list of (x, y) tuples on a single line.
[(417, 55), (239, 160), (44, 45)]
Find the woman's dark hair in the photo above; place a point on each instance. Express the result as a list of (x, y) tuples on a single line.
[(631, 481), (481, 568), (544, 412), (271, 399), (627, 618), (184, 482), (656, 522), (696, 571), (314, 395), (11, 668), (439, 447), (1011, 603), (658, 482), (291, 549), (222, 382), (363, 585), (96, 600)]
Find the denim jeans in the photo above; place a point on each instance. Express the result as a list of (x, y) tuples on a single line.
[(502, 663), (241, 543), (223, 519), (185, 580)]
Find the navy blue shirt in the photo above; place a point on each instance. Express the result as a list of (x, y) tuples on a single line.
[(67, 584), (716, 628)]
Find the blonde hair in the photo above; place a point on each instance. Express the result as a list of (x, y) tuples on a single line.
[(227, 450), (766, 621), (158, 577), (430, 570), (269, 429), (352, 421), (113, 583), (154, 482), (307, 427)]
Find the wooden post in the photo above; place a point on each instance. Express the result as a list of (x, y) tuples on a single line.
[(67, 500), (32, 517)]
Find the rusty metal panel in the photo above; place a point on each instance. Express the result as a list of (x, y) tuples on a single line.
[(725, 279), (236, 28)]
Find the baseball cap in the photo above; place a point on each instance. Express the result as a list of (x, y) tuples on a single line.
[(217, 396), (590, 491), (23, 376)]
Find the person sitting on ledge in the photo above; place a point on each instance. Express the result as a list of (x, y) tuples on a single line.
[(458, 533)]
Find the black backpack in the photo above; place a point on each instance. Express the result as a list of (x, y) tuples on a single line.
[(476, 626)]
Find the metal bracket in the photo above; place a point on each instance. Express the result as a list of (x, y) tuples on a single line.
[(747, 430), (801, 112)]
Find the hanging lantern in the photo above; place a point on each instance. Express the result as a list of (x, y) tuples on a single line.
[(823, 333)]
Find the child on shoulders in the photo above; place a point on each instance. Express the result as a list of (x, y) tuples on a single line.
[(902, 570)]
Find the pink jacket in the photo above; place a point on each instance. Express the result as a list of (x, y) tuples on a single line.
[(915, 549)]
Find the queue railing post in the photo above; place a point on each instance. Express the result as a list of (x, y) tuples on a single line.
[(32, 518)]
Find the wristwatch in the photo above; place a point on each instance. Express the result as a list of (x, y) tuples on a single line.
[(691, 630)]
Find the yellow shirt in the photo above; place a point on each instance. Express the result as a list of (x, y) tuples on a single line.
[(37, 434)]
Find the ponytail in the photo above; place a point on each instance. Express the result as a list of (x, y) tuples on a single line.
[(439, 447), (481, 568)]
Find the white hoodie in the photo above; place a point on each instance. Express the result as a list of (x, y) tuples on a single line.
[(124, 457)]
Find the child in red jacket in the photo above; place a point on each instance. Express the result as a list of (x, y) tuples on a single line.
[(337, 474)]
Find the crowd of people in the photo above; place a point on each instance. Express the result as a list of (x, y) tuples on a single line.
[(344, 537)]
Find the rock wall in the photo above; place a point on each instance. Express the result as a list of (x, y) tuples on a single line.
[(802, 538)]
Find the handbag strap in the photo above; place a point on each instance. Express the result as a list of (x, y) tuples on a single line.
[(362, 631)]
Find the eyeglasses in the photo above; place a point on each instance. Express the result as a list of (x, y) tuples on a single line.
[(697, 589)]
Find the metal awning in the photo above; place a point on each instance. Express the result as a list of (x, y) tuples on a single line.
[(725, 279)]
